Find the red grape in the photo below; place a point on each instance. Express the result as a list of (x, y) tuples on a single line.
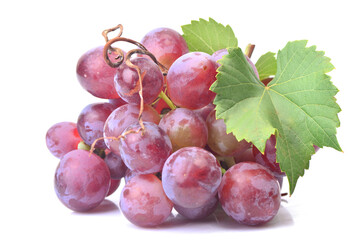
[(127, 81), (95, 76), (165, 44), (249, 193), (116, 165), (185, 128), (145, 151), (191, 177), (114, 185), (199, 212), (143, 201), (62, 138), (81, 180), (189, 80)]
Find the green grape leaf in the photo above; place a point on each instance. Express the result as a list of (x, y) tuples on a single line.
[(208, 36), (298, 105), (266, 65)]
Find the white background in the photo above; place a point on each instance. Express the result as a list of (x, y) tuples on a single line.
[(41, 42)]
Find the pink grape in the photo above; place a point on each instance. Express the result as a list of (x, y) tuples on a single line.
[(81, 180), (249, 193), (185, 128), (199, 212), (143, 201), (117, 102), (205, 111), (116, 165), (121, 118), (191, 177), (114, 185), (62, 138), (145, 151), (219, 141), (95, 76), (189, 80), (166, 44), (126, 81), (91, 122)]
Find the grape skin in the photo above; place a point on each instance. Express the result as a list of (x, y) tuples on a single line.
[(249, 193), (121, 118), (95, 76), (185, 128), (143, 201), (116, 165), (219, 141), (199, 212), (145, 151), (165, 44), (81, 180), (62, 138), (189, 80), (126, 81), (191, 177), (114, 185), (91, 122)]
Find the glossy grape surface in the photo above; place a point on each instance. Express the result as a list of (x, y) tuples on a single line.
[(95, 76), (249, 193), (145, 151), (191, 177), (166, 44), (185, 128), (81, 180), (91, 122), (199, 212), (220, 53), (143, 201), (123, 117), (126, 81), (219, 141), (189, 80), (62, 138), (116, 165)]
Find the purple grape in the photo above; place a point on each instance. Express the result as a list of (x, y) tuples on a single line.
[(166, 44), (191, 177), (116, 165), (143, 201), (91, 122), (199, 212), (220, 53), (145, 151), (95, 75), (81, 180), (219, 141), (123, 117), (114, 185), (117, 102), (249, 193), (127, 81), (62, 138), (185, 128), (189, 80)]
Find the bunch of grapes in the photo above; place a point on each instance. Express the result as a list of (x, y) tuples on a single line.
[(158, 130)]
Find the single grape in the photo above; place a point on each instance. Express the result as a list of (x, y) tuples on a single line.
[(185, 128), (191, 177), (189, 80), (220, 53), (205, 111), (126, 81), (145, 151), (91, 122), (114, 185), (268, 159), (249, 193), (117, 102), (116, 165), (95, 76), (219, 141), (121, 118), (143, 201), (166, 44), (199, 212), (62, 138), (81, 180)]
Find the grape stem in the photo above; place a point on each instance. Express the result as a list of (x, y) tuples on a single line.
[(249, 50), (163, 96)]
